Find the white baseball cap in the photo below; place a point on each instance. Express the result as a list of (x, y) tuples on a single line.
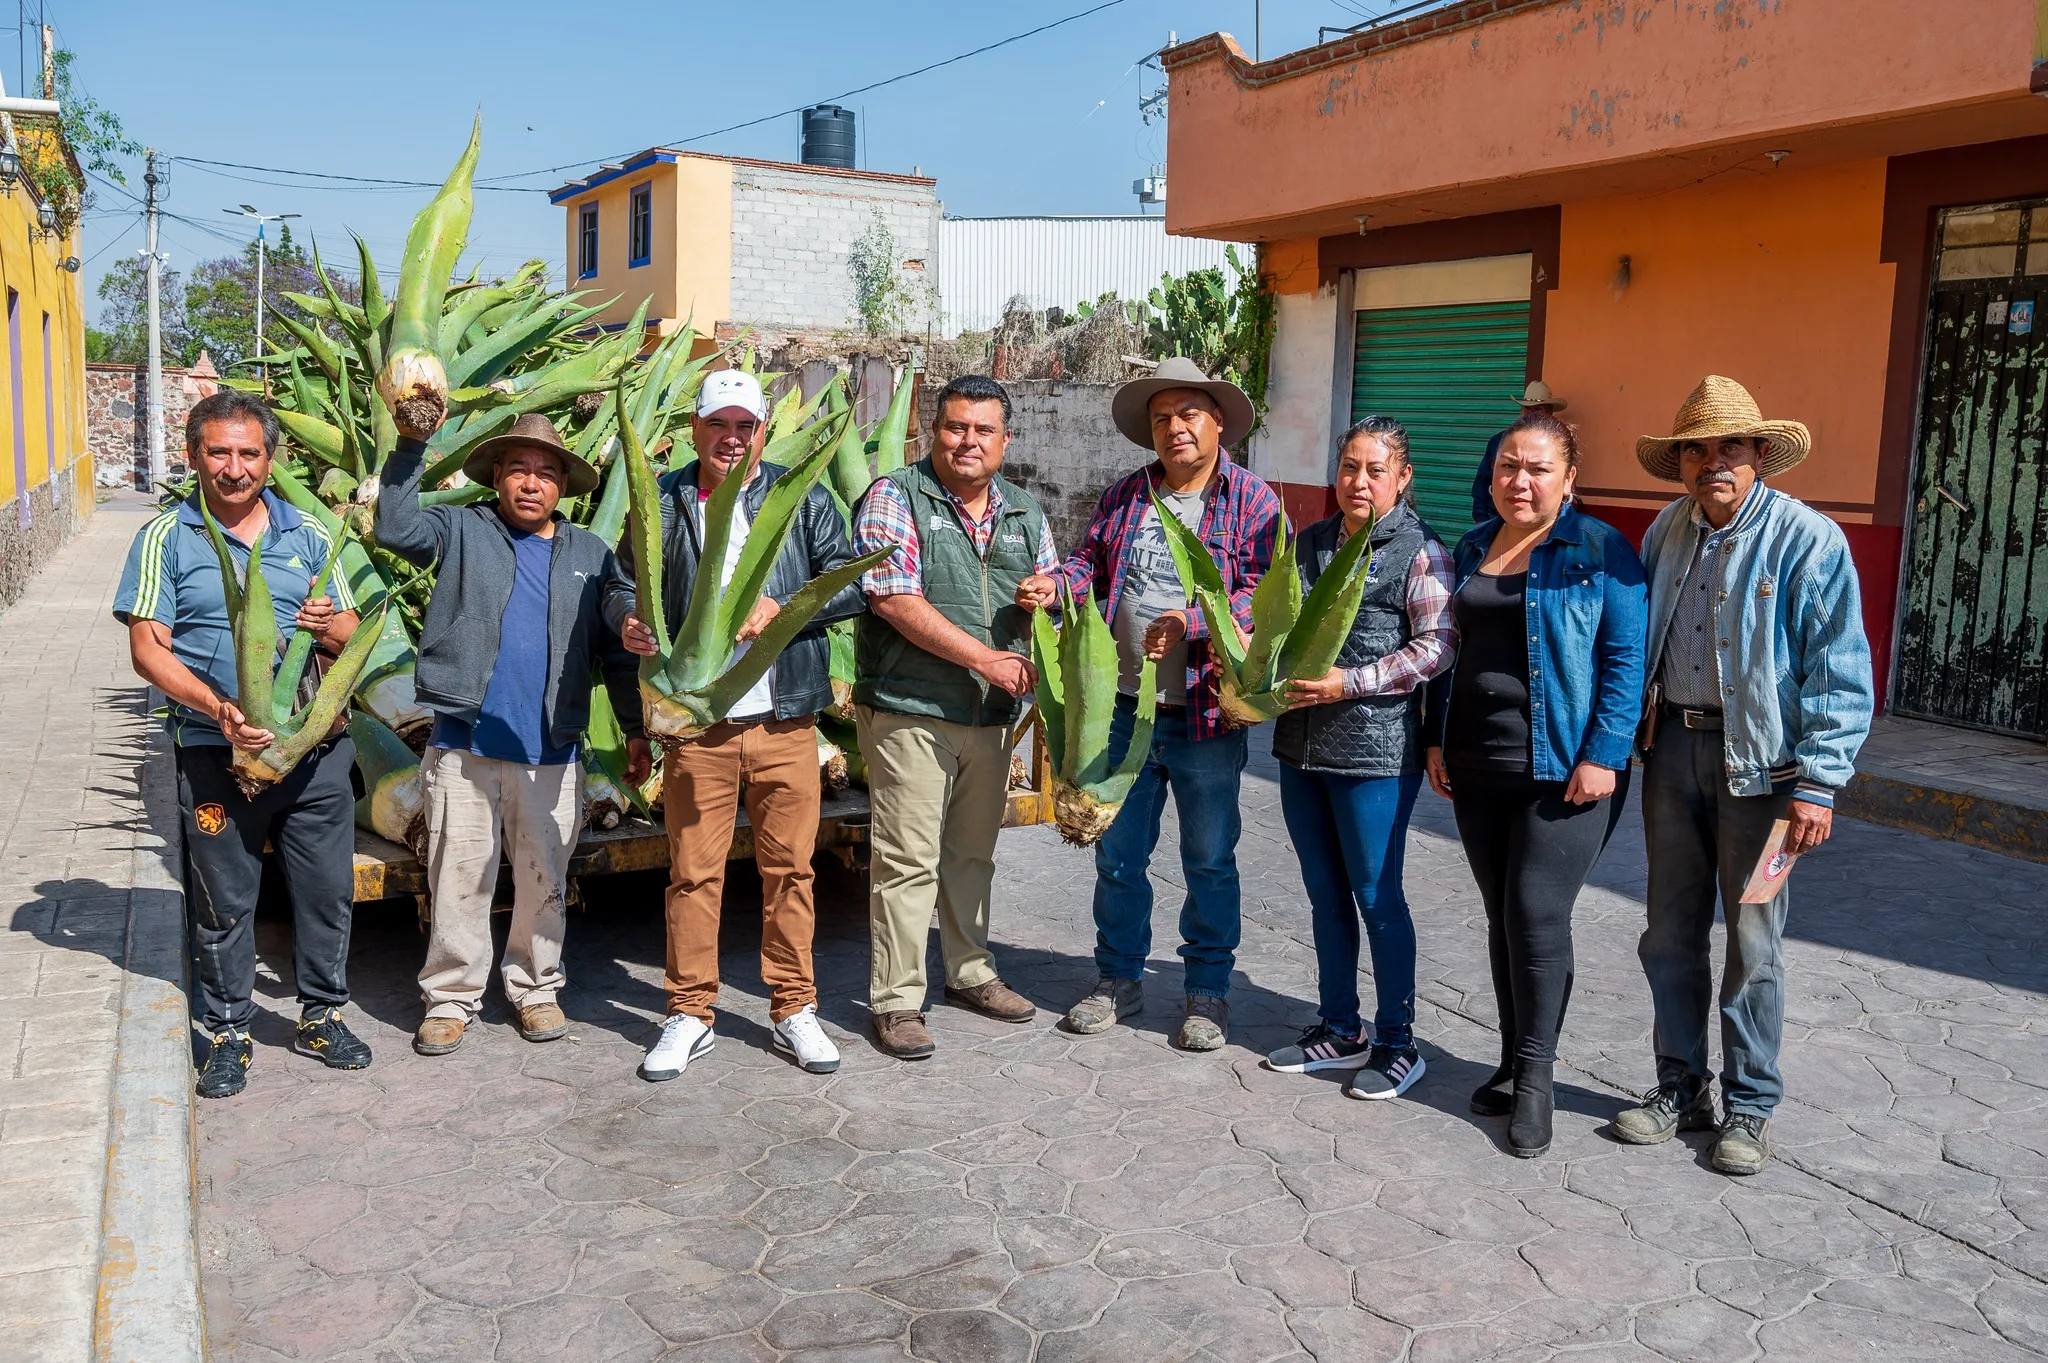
[(725, 388)]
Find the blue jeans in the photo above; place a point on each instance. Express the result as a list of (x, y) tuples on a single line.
[(1204, 777), (1702, 838), (1350, 833)]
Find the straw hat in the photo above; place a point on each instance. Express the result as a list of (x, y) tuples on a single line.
[(1538, 394), (578, 477), (1722, 407), (1130, 408)]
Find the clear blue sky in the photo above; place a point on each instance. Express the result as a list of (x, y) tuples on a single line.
[(385, 89)]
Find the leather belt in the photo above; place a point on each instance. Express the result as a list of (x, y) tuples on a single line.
[(1691, 718)]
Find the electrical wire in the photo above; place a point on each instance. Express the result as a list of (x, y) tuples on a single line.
[(112, 242)]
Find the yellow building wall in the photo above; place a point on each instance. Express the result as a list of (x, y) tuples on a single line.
[(688, 274), (53, 439)]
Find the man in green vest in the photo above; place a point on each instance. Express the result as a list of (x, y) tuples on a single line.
[(941, 659)]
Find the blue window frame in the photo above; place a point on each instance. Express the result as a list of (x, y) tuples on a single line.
[(640, 225), (586, 241)]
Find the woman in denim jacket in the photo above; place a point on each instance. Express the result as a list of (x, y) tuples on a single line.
[(1530, 739)]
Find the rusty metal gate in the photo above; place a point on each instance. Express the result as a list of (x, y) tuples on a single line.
[(1973, 645)]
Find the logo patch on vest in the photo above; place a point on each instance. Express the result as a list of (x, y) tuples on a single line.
[(941, 521), (211, 819), (1014, 539)]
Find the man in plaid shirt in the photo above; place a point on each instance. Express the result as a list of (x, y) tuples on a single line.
[(1186, 419)]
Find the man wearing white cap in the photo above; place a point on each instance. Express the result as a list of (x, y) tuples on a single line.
[(766, 749)]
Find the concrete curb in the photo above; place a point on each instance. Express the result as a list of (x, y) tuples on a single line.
[(1980, 819), (148, 1306)]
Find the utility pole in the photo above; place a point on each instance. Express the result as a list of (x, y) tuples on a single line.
[(1258, 30), (262, 221), (153, 262)]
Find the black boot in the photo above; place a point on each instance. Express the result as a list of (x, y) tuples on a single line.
[(1529, 1126), (1495, 1097)]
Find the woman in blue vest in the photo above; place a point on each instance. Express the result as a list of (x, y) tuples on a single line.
[(1351, 763), (1530, 734)]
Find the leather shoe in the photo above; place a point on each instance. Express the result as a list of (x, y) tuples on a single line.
[(994, 999), (438, 1036), (543, 1022), (903, 1035)]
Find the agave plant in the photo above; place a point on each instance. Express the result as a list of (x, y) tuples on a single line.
[(394, 803), (1292, 638), (265, 697), (1077, 676), (693, 680), (413, 381)]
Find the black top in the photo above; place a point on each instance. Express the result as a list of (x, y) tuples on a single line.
[(1487, 726)]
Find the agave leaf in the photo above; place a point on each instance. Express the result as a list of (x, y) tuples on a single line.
[(1203, 582), (608, 522), (718, 698), (252, 620), (605, 742), (488, 359), (851, 471), (1088, 668), (469, 305), (1052, 700), (376, 312), (779, 449), (285, 689), (894, 432), (643, 528), (1327, 615), (316, 437), (770, 530), (365, 583), (1276, 606), (308, 729), (703, 644), (317, 345), (432, 245), (394, 803)]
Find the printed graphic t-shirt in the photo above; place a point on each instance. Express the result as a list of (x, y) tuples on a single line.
[(1151, 588)]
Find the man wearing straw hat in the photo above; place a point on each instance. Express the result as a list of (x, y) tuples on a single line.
[(1760, 697), (511, 638), (1537, 397)]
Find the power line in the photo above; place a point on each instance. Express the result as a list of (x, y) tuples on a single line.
[(113, 241)]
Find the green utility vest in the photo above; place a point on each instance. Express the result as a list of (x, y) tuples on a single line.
[(974, 592)]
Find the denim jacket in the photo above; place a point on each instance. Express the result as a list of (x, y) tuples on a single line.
[(1796, 686), (1585, 612)]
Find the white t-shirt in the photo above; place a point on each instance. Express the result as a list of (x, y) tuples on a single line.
[(760, 700)]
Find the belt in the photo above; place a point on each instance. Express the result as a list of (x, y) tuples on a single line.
[(1691, 718)]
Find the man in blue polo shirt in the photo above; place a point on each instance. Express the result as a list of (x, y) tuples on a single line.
[(171, 599)]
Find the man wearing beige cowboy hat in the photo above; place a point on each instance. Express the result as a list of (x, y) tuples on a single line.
[(511, 637), (1536, 397), (1759, 699), (1186, 419)]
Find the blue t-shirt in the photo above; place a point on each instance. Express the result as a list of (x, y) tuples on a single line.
[(508, 727)]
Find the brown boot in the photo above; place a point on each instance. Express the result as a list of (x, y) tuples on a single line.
[(994, 999), (542, 1022), (438, 1036), (903, 1035)]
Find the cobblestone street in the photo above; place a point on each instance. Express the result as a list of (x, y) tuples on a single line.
[(1030, 1194)]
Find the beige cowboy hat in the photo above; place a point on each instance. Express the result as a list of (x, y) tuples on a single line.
[(1722, 407), (578, 477), (1538, 394), (1130, 409)]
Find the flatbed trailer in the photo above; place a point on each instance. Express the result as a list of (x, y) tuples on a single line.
[(387, 870)]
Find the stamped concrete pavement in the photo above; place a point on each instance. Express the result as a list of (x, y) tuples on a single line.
[(1033, 1195)]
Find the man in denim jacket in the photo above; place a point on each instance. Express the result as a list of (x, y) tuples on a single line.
[(1759, 699)]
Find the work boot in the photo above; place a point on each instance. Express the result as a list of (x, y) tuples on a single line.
[(543, 1021), (324, 1036), (1207, 1021), (438, 1036), (1669, 1109), (902, 1033), (1529, 1122), (1743, 1148), (994, 999), (226, 1071), (1110, 1002)]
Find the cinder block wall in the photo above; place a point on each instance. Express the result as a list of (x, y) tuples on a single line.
[(792, 231)]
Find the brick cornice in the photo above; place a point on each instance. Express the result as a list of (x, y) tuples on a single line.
[(1251, 74)]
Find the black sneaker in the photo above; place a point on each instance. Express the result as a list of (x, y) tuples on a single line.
[(1322, 1047), (226, 1071), (1388, 1072), (325, 1037)]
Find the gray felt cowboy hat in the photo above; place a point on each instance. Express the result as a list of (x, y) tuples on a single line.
[(1129, 408), (1716, 409), (578, 477)]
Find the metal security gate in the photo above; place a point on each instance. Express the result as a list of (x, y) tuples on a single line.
[(1973, 646), (1450, 375)]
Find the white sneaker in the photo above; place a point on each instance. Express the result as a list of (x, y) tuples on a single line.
[(800, 1035), (683, 1039)]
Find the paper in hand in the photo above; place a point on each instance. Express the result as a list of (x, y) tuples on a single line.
[(1771, 868)]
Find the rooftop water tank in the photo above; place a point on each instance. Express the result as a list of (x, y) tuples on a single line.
[(828, 137)]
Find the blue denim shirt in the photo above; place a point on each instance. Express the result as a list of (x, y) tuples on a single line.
[(1585, 611), (1796, 686)]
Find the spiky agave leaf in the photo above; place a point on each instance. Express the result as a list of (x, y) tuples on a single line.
[(894, 432), (394, 803), (285, 690), (1312, 647), (307, 730), (1077, 696), (252, 623), (413, 381), (1203, 582)]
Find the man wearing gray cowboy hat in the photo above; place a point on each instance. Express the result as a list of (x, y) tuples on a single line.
[(1187, 419), (506, 652), (1759, 699), (1537, 397)]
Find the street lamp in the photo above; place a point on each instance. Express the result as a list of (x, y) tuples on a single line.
[(10, 166), (262, 220)]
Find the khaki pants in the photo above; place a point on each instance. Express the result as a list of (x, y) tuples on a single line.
[(938, 792), (478, 808), (776, 764)]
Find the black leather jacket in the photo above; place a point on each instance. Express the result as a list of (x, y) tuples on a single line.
[(817, 543)]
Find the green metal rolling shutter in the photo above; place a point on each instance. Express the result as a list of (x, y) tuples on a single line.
[(1450, 375)]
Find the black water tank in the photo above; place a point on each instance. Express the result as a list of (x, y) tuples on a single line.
[(828, 137)]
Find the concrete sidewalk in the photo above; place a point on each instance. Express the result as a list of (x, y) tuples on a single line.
[(95, 1113), (1988, 790)]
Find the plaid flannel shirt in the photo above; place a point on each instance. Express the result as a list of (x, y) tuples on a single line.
[(1241, 525), (1432, 630), (884, 522)]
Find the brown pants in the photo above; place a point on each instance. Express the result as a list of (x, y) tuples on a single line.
[(777, 764)]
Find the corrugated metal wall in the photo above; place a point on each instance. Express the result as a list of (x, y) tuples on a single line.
[(1057, 262)]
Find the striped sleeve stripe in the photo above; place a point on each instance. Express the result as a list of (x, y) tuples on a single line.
[(149, 576), (337, 585)]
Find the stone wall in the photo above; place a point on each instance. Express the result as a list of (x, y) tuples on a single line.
[(793, 228), (115, 425), (55, 511)]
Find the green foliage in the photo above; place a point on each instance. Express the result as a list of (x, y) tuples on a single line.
[(1227, 330), (95, 133), (887, 305)]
